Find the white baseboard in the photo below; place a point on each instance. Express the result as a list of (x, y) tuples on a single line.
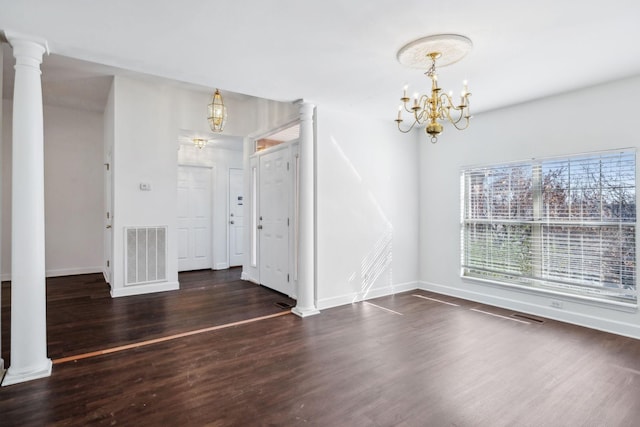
[(144, 289), (352, 297), (73, 271), (62, 272), (41, 371), (221, 266), (567, 315), (248, 278)]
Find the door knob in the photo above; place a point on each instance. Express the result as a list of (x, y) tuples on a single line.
[(260, 227), (108, 226), (231, 222)]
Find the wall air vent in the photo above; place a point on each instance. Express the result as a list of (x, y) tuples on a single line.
[(145, 255)]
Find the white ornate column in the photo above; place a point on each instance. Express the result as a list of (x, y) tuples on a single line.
[(28, 290), (306, 222)]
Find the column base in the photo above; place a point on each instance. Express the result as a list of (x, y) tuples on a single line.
[(304, 312), (20, 377)]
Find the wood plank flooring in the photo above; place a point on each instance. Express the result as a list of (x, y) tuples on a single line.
[(413, 359), (82, 317)]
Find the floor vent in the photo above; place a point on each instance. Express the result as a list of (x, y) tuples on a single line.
[(284, 305), (527, 317), (145, 255)]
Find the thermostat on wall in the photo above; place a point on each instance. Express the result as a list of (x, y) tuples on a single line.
[(145, 186)]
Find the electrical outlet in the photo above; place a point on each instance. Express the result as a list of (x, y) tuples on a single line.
[(556, 304)]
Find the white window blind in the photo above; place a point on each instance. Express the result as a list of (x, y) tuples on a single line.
[(566, 224)]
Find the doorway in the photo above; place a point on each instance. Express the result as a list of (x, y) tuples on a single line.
[(194, 217), (236, 217), (273, 218)]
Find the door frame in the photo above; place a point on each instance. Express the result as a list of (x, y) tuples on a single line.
[(107, 232), (228, 203), (293, 148), (212, 167)]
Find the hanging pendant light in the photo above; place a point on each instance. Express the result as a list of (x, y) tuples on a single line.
[(217, 113)]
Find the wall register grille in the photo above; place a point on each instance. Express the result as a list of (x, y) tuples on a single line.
[(145, 255)]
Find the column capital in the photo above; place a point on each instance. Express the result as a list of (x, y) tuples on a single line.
[(305, 109), (15, 38)]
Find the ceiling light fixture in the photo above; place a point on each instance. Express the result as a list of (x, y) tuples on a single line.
[(199, 142), (217, 113), (431, 108)]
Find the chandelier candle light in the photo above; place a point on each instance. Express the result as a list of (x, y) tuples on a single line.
[(200, 142), (217, 113), (431, 108)]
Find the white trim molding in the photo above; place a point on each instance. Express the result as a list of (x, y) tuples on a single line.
[(572, 311), (352, 297), (144, 289)]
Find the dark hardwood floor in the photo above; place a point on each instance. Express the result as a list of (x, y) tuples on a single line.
[(403, 360), (82, 317)]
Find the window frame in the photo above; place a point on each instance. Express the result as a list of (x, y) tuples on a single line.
[(535, 282)]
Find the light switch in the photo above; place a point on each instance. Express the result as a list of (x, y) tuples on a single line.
[(145, 186)]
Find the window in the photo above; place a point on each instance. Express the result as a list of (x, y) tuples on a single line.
[(561, 224)]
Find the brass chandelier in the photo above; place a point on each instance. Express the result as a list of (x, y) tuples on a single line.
[(432, 108), (217, 116)]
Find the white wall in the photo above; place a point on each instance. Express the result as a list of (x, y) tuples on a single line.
[(575, 122), (73, 190), (144, 151), (5, 171), (220, 160), (367, 208)]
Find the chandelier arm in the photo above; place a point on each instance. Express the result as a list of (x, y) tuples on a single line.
[(408, 110), (419, 117), (466, 123), (463, 111), (405, 131), (447, 105), (461, 115)]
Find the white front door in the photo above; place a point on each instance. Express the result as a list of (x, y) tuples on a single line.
[(273, 221), (194, 218), (236, 219)]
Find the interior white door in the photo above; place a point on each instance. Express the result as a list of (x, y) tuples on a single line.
[(236, 217), (273, 221), (194, 218)]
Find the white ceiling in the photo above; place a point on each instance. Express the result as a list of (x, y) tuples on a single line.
[(341, 53)]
